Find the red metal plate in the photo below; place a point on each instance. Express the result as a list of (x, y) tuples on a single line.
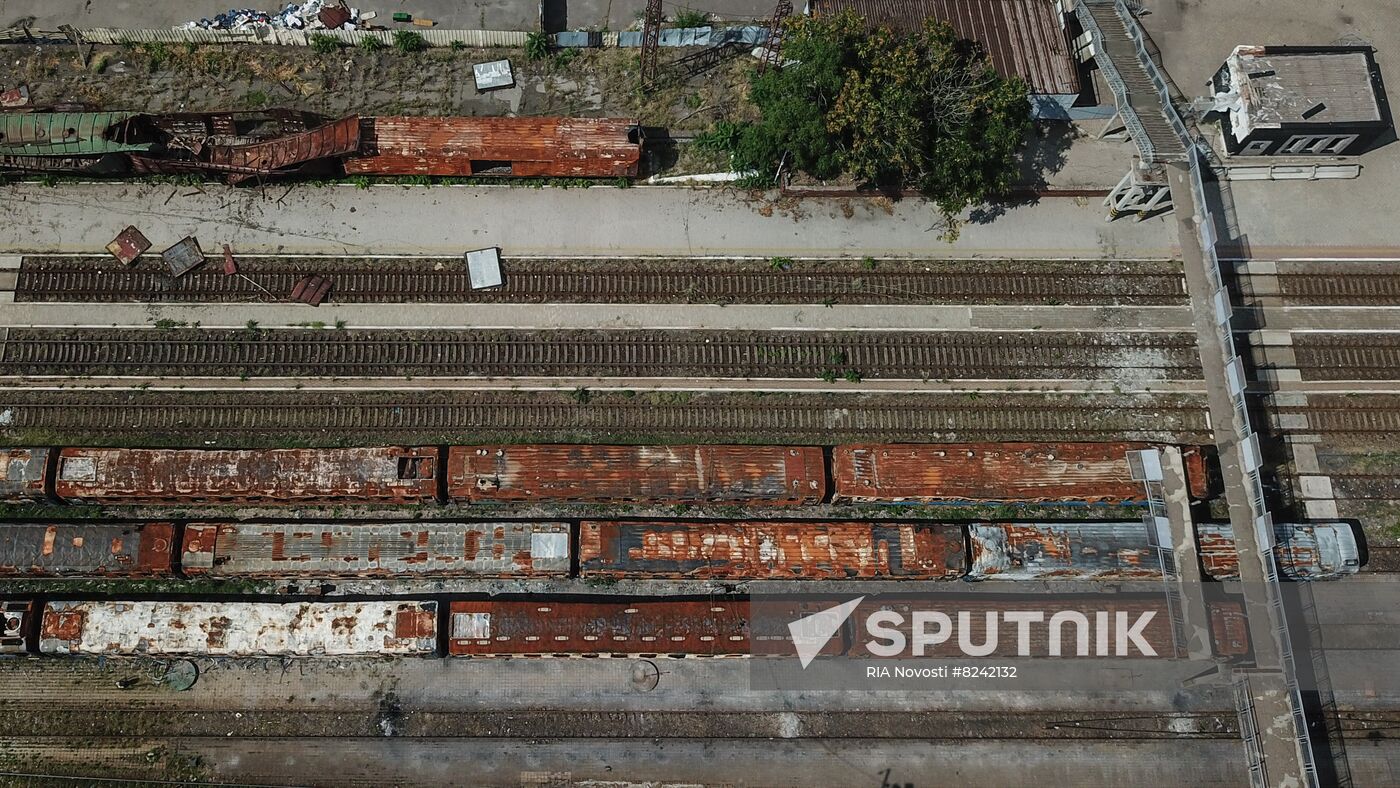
[(558, 627)]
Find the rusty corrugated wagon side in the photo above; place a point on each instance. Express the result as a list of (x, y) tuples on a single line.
[(416, 549), (1068, 551), (1307, 551), (239, 629), (1086, 473), (86, 549), (482, 146), (22, 474), (568, 473), (565, 628), (758, 550), (393, 474)]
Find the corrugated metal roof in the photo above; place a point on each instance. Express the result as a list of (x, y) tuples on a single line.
[(393, 474), (1072, 551), (559, 627), (300, 629), (1023, 38), (985, 472), (63, 134), (376, 549), (564, 147), (86, 549), (771, 475), (22, 474), (768, 550)]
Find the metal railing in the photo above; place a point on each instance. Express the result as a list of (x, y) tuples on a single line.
[(1197, 162), (1116, 86)]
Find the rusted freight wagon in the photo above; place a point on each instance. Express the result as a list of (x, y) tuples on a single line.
[(86, 549), (567, 473), (239, 629), (22, 473), (376, 549), (1312, 551), (393, 474), (527, 146), (1073, 551), (564, 628), (994, 472), (758, 550)]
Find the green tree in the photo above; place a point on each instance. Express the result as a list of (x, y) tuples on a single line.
[(929, 112)]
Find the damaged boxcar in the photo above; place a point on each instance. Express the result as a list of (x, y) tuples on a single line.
[(86, 549), (569, 473), (393, 474), (239, 629), (759, 550), (560, 627), (1080, 551), (368, 549), (1304, 551)]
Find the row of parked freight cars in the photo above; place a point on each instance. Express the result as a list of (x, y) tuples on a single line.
[(554, 627), (1085, 473), (730, 550)]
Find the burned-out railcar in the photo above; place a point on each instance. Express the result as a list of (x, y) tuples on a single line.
[(576, 473), (370, 549), (87, 549), (1303, 551), (390, 474), (240, 629), (959, 473), (762, 550), (1076, 551)]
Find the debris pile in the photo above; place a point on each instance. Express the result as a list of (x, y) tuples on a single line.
[(310, 15)]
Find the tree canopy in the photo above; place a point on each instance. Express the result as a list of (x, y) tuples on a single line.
[(923, 111)]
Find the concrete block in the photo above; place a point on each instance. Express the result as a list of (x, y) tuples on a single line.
[(1315, 487), (10, 261), (1321, 510), (1273, 338), (1293, 421), (1260, 267), (1304, 457)]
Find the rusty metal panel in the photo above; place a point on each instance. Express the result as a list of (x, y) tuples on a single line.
[(711, 628), (1229, 628), (332, 140), (986, 473), (1196, 461), (1023, 38), (563, 147), (22, 474), (766, 550), (239, 629), (563, 473), (86, 549), (1074, 551), (1215, 544), (393, 474), (379, 549), (128, 245), (1312, 551), (1079, 635), (197, 549)]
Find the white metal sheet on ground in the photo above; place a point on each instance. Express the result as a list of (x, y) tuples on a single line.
[(240, 628), (484, 268)]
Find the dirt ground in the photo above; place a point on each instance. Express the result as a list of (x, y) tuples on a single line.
[(188, 78)]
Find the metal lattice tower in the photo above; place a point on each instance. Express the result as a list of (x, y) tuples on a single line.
[(773, 48), (651, 41)]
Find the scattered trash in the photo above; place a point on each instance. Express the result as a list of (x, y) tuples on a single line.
[(128, 245), (484, 268), (183, 257), (493, 75), (230, 265), (311, 290), (15, 98), (310, 15)]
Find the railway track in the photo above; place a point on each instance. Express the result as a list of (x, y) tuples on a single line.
[(1124, 356), (1347, 356), (367, 280), (431, 416), (1339, 284)]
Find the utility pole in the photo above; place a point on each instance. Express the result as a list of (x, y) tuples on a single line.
[(773, 48), (651, 41)]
